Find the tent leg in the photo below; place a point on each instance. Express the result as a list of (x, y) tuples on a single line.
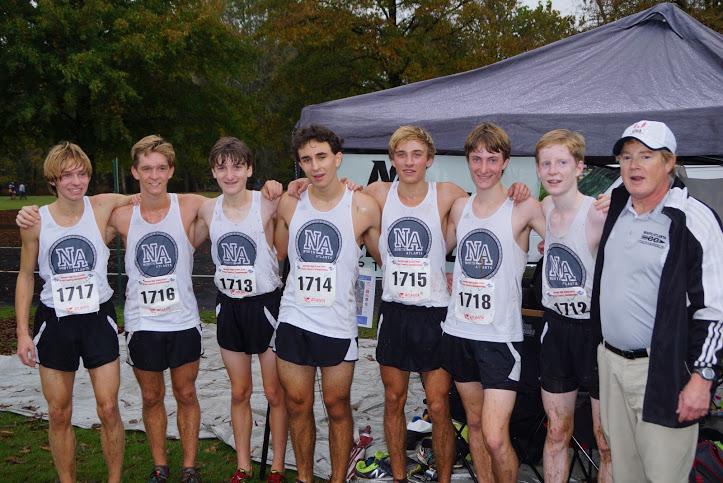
[(265, 445)]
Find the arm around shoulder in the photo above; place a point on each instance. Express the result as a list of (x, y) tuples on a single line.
[(24, 293), (284, 212), (370, 216)]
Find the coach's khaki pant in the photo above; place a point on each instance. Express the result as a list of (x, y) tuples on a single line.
[(640, 451)]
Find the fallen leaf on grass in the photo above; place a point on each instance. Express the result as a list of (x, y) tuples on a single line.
[(13, 460), (25, 450), (45, 448), (5, 433), (211, 449)]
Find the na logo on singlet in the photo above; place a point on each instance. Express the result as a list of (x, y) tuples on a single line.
[(236, 249), (409, 238), (318, 241), (564, 268), (156, 254), (480, 254), (71, 254)]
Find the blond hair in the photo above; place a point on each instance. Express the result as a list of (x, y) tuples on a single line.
[(411, 133), (573, 141), (153, 144), (61, 157)]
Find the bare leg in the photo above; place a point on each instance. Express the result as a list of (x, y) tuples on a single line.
[(58, 391), (298, 384), (472, 396), (155, 421), (436, 387), (396, 384), (605, 474), (336, 387), (496, 413), (238, 366), (183, 380), (275, 397), (560, 410), (106, 381)]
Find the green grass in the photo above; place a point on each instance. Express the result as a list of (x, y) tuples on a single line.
[(25, 454), (7, 204)]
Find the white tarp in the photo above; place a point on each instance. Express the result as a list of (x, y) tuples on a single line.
[(20, 393)]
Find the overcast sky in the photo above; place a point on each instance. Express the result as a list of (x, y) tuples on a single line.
[(566, 7)]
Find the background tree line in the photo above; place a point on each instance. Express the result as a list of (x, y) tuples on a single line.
[(103, 73)]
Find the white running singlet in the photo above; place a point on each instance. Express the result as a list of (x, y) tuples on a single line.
[(73, 262), (159, 263), (246, 265), (486, 302), (324, 257), (568, 267), (413, 251)]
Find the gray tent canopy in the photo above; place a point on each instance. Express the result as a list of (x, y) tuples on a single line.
[(659, 64)]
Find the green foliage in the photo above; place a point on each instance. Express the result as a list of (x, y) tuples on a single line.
[(599, 12), (105, 73)]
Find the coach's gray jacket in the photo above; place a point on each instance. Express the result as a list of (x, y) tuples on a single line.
[(688, 328)]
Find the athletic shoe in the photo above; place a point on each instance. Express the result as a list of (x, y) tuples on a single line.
[(241, 475), (275, 477), (190, 475), (159, 474), (370, 469), (424, 452)]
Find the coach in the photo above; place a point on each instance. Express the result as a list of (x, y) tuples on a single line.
[(658, 300)]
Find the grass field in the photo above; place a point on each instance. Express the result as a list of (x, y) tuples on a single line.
[(25, 455), (7, 204)]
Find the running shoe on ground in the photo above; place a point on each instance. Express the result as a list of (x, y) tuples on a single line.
[(275, 477), (241, 475), (159, 474), (190, 475)]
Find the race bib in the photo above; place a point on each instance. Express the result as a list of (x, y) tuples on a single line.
[(475, 301), (408, 279), (158, 296), (315, 283), (75, 293), (235, 281), (569, 301)]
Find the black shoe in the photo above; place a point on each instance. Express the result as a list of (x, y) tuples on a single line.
[(159, 474)]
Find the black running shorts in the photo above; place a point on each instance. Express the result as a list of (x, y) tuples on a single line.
[(568, 356), (409, 336), (305, 348), (60, 343), (157, 351), (496, 365), (247, 324)]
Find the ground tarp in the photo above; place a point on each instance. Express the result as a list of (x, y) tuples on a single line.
[(658, 64)]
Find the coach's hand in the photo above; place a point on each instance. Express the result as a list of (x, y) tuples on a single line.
[(28, 216), (694, 399), (26, 350), (602, 203)]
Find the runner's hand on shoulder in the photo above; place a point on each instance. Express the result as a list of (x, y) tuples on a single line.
[(272, 189), (28, 216), (518, 192), (297, 187), (351, 185)]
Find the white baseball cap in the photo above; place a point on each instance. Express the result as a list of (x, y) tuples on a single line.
[(654, 134)]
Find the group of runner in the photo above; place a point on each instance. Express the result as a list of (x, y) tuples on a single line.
[(471, 336)]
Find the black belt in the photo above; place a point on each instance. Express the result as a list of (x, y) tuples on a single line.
[(634, 354)]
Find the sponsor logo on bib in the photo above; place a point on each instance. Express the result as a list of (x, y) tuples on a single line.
[(72, 254), (564, 268), (156, 254), (409, 238), (236, 249), (480, 254), (318, 241)]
